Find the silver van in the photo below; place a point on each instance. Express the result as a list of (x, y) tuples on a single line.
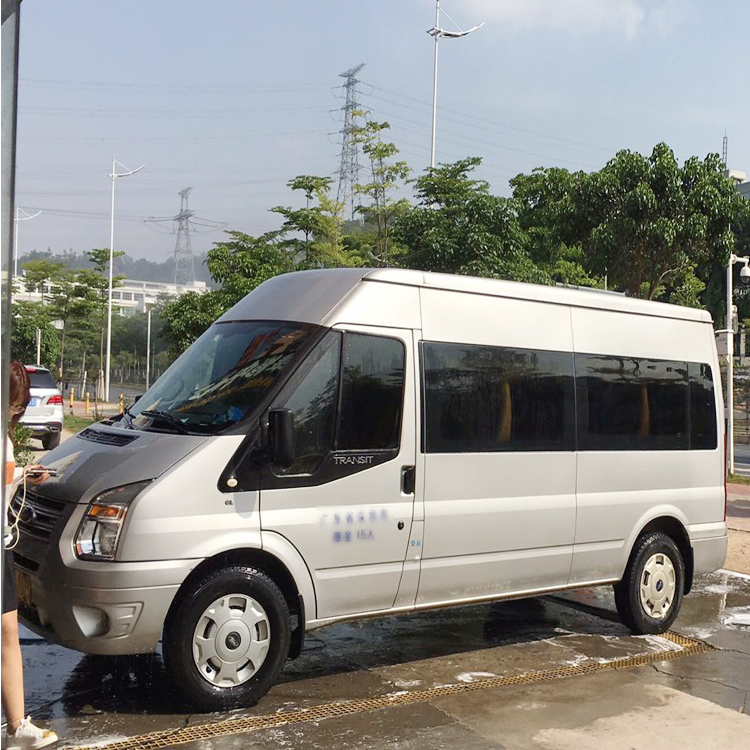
[(354, 442)]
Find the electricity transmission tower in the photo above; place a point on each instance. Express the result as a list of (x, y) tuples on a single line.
[(349, 168), (724, 145), (184, 224)]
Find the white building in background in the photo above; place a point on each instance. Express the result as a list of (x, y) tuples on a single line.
[(134, 296), (740, 181), (130, 297)]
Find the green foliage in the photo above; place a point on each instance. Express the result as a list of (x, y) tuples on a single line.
[(27, 317), (22, 450), (650, 223), (459, 227), (187, 317), (322, 245), (386, 176)]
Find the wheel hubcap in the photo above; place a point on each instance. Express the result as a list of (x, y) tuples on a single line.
[(231, 640), (658, 586)]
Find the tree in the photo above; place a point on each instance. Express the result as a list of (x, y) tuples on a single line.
[(95, 281), (648, 224), (323, 245), (547, 216), (385, 177), (41, 273), (459, 227), (238, 264), (27, 317)]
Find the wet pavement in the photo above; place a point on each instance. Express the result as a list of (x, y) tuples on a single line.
[(554, 672)]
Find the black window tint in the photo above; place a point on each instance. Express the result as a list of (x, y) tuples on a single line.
[(480, 398), (41, 379), (627, 403), (372, 388), (702, 407), (312, 394)]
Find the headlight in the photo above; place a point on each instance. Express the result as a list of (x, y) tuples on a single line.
[(101, 526)]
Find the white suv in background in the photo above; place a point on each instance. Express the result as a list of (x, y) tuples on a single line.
[(44, 414)]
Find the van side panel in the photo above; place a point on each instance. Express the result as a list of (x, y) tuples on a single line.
[(496, 522), (619, 492)]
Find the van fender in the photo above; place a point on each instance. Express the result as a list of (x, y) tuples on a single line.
[(285, 552), (652, 514)]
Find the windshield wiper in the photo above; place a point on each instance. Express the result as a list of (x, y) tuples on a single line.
[(167, 418)]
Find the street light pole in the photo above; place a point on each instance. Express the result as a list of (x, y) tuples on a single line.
[(114, 176), (439, 33), (15, 236), (744, 275), (148, 345)]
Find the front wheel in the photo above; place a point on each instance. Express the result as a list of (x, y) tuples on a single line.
[(227, 639), (649, 596)]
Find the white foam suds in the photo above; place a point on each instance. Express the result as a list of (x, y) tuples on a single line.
[(474, 676)]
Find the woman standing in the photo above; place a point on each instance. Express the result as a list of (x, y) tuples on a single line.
[(21, 733)]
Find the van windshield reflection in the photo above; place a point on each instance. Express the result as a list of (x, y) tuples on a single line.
[(222, 377)]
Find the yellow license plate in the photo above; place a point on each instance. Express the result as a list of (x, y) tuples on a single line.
[(23, 588)]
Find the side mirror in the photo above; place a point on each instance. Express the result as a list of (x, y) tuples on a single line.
[(137, 398), (281, 436)]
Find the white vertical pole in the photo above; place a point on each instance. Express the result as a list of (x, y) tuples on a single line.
[(15, 247), (434, 84), (730, 369), (109, 300), (38, 337), (148, 345)]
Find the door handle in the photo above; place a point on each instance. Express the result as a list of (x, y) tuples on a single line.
[(408, 477)]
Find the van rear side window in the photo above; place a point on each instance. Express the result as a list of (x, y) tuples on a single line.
[(629, 403), (702, 407)]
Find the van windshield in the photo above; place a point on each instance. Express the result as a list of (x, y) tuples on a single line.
[(221, 377)]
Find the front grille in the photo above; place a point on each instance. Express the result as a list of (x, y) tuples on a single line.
[(37, 515), (108, 438)]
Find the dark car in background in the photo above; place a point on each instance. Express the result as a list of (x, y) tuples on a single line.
[(44, 414)]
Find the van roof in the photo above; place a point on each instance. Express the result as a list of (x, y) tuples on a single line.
[(312, 295)]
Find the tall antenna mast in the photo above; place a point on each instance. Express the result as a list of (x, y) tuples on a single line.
[(184, 224), (349, 167), (724, 145)]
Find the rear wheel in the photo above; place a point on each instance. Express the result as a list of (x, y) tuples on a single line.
[(649, 596), (227, 640), (51, 440)]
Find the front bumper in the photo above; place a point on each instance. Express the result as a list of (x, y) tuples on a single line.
[(94, 607)]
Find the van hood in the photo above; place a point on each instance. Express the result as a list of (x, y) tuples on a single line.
[(102, 457)]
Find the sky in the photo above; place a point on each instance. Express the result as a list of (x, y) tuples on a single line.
[(236, 97)]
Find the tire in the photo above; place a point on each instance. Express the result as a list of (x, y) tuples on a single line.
[(50, 441), (227, 639), (649, 596)]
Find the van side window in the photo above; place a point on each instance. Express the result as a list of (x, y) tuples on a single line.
[(702, 407), (312, 394), (372, 387), (363, 413), (628, 403), (482, 399)]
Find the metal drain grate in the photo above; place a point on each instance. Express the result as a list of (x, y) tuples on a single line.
[(198, 732)]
